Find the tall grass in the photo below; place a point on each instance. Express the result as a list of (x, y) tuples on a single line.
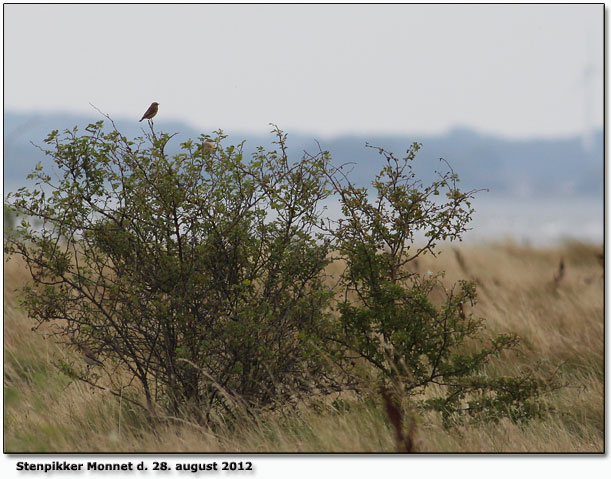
[(557, 311)]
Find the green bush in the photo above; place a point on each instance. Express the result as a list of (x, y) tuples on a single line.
[(388, 316), (200, 277)]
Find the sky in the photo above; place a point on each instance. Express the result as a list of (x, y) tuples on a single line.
[(519, 71)]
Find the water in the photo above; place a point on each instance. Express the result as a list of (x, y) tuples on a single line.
[(538, 222)]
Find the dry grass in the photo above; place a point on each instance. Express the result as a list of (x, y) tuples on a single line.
[(558, 313)]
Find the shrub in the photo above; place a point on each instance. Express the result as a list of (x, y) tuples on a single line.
[(199, 275), (388, 317)]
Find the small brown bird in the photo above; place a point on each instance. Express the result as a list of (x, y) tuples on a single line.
[(89, 356), (208, 147), (151, 112)]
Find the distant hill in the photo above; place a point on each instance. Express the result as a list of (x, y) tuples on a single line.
[(523, 168)]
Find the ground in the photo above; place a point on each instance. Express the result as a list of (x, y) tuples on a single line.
[(558, 312)]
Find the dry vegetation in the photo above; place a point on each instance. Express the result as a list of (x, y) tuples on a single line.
[(558, 311)]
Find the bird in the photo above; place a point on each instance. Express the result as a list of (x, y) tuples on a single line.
[(89, 356), (208, 147), (151, 112)]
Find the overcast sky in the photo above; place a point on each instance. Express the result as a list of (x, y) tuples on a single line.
[(514, 70)]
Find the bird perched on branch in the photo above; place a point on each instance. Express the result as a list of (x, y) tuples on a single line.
[(208, 147), (151, 112), (89, 356)]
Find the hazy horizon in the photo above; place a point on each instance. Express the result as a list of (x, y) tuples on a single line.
[(541, 192), (458, 127)]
